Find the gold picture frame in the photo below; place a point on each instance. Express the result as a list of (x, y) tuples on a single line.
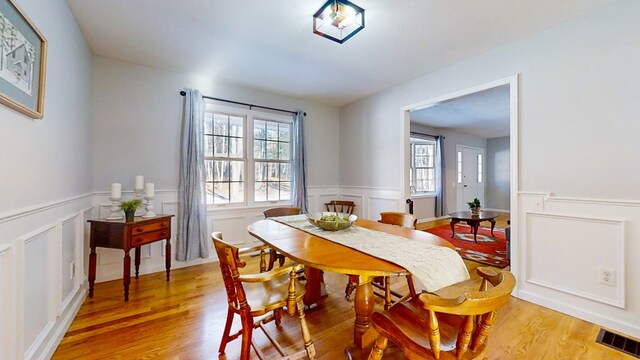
[(23, 62)]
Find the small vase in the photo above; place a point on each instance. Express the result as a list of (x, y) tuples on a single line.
[(129, 216), (475, 211)]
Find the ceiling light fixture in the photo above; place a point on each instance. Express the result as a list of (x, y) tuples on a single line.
[(338, 20)]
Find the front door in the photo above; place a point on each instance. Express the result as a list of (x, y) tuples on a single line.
[(469, 175)]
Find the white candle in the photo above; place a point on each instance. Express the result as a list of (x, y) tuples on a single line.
[(149, 189), (116, 190), (139, 182)]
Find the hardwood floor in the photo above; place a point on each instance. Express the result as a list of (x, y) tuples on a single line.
[(184, 318)]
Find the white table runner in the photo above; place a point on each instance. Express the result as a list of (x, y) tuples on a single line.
[(434, 267)]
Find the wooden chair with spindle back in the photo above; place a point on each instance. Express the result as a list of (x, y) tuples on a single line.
[(384, 283), (452, 323), (340, 206), (275, 212), (255, 295)]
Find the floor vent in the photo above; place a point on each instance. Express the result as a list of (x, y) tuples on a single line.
[(619, 342)]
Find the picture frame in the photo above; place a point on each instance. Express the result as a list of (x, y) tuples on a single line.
[(23, 62)]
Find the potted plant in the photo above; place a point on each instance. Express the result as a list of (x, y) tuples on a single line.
[(474, 206), (129, 207)]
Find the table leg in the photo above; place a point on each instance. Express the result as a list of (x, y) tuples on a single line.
[(92, 269), (137, 261), (453, 229), (126, 276), (474, 227), (493, 225), (364, 335), (167, 258)]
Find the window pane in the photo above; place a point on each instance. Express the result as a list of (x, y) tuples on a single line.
[(237, 170), (259, 148), (429, 161), (261, 191), (208, 164), (284, 151), (285, 190), (220, 146), (420, 161), (209, 193), (235, 126), (259, 129), (235, 148), (220, 124), (273, 191), (285, 172), (272, 130), (208, 145), (208, 123), (221, 193), (285, 132), (261, 171), (272, 150), (237, 192), (221, 171), (430, 149), (274, 172)]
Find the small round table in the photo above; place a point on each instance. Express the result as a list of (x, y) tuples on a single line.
[(473, 220)]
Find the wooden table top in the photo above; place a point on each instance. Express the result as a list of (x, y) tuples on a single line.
[(467, 215), (326, 255)]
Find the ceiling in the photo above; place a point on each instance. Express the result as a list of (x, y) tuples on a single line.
[(484, 114), (269, 44)]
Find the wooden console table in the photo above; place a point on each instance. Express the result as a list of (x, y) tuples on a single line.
[(119, 234)]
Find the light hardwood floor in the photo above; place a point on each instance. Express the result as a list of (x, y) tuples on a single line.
[(184, 318)]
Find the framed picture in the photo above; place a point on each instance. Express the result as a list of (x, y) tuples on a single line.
[(23, 60)]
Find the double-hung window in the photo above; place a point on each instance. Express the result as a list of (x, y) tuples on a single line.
[(248, 156), (422, 174)]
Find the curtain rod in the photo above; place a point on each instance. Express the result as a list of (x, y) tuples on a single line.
[(418, 133), (183, 93)]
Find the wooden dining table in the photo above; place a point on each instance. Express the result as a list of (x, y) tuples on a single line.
[(323, 254)]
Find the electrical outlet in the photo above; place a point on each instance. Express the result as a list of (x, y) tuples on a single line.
[(72, 270), (607, 276)]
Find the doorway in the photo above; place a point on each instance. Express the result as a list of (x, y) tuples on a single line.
[(470, 179)]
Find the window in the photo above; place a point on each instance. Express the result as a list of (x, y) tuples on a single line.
[(422, 175), (247, 156), (479, 168), (459, 167)]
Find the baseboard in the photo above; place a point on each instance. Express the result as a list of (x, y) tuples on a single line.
[(433, 219), (582, 313), (60, 327), (498, 210)]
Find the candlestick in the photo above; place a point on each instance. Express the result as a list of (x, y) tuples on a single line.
[(139, 183), (149, 205), (115, 208), (149, 190)]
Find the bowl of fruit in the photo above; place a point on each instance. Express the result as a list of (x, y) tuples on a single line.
[(331, 221)]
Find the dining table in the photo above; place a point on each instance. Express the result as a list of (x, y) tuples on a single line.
[(320, 253)]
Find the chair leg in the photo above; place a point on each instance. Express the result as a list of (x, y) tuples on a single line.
[(387, 292), (272, 259), (378, 349), (306, 336), (247, 332), (351, 286), (263, 261), (277, 315), (225, 333)]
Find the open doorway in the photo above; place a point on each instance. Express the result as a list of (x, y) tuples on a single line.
[(476, 130)]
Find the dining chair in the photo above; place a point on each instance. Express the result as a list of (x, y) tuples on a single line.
[(341, 206), (275, 212), (452, 323), (384, 283), (253, 296)]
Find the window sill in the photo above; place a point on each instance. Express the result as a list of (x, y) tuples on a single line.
[(245, 207), (423, 196)]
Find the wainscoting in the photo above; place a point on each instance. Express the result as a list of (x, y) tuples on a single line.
[(565, 245), (41, 275)]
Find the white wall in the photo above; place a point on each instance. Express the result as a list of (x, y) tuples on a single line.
[(136, 130), (45, 184), (498, 172), (577, 138), (451, 139)]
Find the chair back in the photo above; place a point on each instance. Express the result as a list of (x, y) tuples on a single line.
[(281, 211), (340, 206), (229, 263), (398, 218)]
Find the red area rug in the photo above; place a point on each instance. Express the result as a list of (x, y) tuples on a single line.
[(490, 250)]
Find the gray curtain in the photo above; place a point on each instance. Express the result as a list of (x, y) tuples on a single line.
[(299, 171), (192, 239), (441, 201)]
